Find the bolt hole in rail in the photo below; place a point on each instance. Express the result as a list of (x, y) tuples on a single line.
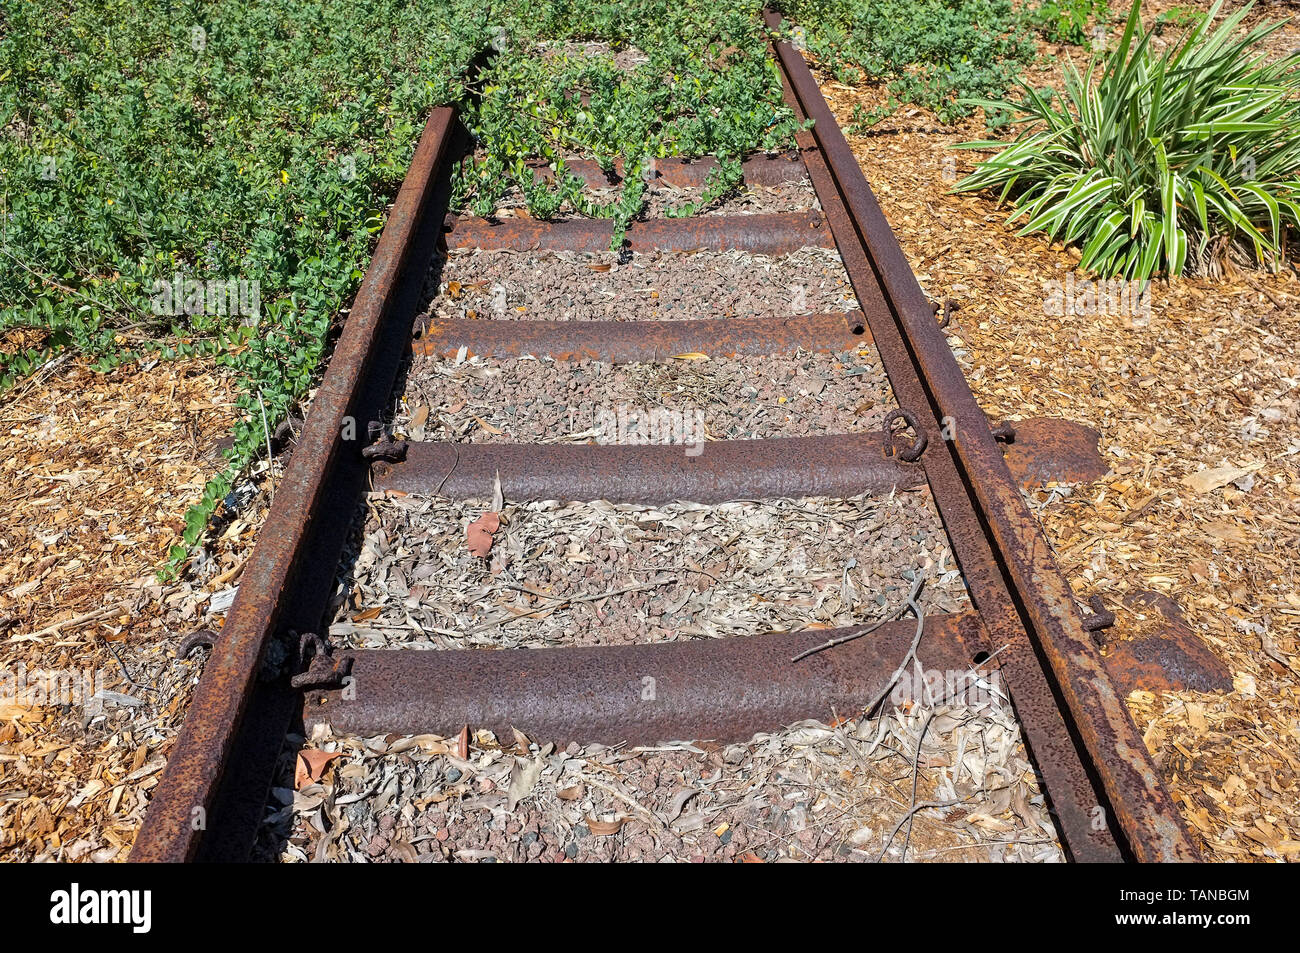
[(1104, 792)]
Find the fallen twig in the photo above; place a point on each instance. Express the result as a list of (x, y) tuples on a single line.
[(75, 620), (454, 464), (893, 616), (565, 600), (126, 674), (626, 799)]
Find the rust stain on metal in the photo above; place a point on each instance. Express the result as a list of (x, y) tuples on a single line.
[(710, 473), (1162, 653), (778, 233), (627, 341), (199, 758), (1050, 449), (717, 689), (916, 354)]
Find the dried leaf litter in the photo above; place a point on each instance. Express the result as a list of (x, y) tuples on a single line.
[(600, 573), (809, 792)]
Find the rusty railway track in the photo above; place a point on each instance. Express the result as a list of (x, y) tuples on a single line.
[(1104, 792)]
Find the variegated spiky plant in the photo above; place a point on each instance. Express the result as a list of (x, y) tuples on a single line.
[(1165, 159)]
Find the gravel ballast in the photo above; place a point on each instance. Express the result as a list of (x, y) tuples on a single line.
[(809, 792), (547, 401), (599, 573), (537, 286), (663, 200)]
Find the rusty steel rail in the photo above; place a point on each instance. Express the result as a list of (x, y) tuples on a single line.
[(1074, 797), (1100, 783), (1138, 809), (361, 368)]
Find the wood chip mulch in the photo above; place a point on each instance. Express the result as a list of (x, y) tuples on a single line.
[(98, 471)]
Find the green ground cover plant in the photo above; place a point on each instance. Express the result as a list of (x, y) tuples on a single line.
[(1067, 21), (219, 139), (1157, 162), (144, 142), (699, 82), (932, 53)]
